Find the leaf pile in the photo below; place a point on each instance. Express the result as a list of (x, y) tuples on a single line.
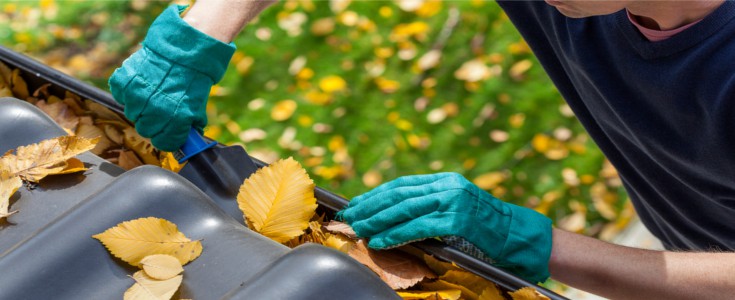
[(278, 202), (158, 248), (118, 143), (34, 162)]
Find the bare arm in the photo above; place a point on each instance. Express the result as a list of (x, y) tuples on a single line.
[(619, 272), (224, 19)]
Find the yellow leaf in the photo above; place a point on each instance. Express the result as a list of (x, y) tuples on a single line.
[(133, 240), (444, 285), (489, 181), (527, 293), (331, 84), (443, 294), (161, 266), (278, 200), (283, 110), (73, 165), (49, 157), (18, 85), (439, 267), (9, 184), (397, 269), (147, 288), (141, 146), (91, 131), (339, 242), (471, 281), (169, 162), (491, 293)]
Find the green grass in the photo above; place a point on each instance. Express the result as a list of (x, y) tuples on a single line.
[(375, 135)]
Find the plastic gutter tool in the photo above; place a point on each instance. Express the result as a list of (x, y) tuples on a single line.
[(216, 170)]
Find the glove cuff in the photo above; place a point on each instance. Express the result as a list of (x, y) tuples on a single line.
[(171, 37), (528, 248)]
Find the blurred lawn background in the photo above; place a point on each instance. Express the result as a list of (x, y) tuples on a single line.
[(362, 92)]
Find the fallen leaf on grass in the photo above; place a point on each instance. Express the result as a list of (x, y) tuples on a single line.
[(147, 288), (9, 184), (395, 268), (53, 156), (278, 200), (161, 266), (133, 240)]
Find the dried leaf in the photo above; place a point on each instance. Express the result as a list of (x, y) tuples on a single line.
[(395, 268), (169, 162), (340, 227), (113, 133), (491, 293), (278, 200), (91, 131), (49, 157), (18, 85), (9, 184), (147, 288), (73, 165), (339, 242), (474, 283), (527, 293), (133, 240), (161, 266), (443, 285), (141, 146), (439, 267), (61, 114), (101, 112), (443, 295), (128, 160)]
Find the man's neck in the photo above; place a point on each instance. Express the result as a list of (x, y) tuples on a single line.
[(667, 15)]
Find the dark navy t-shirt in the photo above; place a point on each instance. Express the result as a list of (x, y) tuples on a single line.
[(662, 112)]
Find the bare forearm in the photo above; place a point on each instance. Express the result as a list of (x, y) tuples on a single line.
[(619, 272), (224, 19)]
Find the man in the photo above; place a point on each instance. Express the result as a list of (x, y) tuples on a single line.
[(653, 82)]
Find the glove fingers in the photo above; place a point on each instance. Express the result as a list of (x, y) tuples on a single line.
[(408, 210), (388, 198), (171, 138), (436, 224), (414, 180)]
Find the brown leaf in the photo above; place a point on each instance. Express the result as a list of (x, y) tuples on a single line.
[(397, 269), (340, 227), (128, 161), (438, 295), (141, 146), (49, 157), (61, 114), (91, 131), (18, 85), (9, 184)]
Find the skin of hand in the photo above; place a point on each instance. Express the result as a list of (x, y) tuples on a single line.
[(619, 272), (224, 19)]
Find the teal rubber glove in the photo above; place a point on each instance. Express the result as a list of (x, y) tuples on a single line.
[(447, 205), (164, 86)]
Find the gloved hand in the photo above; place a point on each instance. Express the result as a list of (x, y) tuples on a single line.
[(446, 205), (165, 85)]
